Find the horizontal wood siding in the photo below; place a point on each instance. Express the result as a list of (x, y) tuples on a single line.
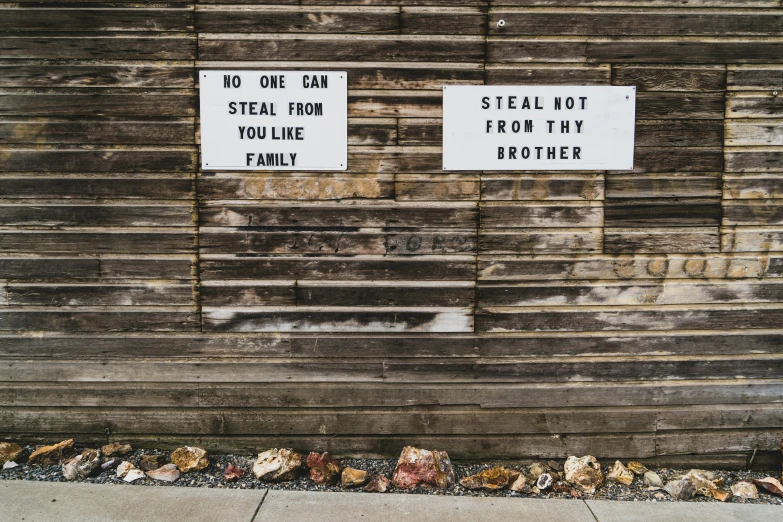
[(492, 314)]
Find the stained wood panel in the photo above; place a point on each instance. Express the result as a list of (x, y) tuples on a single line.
[(394, 303)]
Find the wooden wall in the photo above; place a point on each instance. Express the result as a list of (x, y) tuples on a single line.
[(491, 314)]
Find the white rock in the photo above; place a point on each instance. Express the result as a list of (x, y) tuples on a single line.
[(10, 465), (745, 489), (134, 474), (584, 472), (652, 479)]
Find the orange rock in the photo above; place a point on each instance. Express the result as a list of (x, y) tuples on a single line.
[(491, 479), (190, 458), (421, 467), (49, 455)]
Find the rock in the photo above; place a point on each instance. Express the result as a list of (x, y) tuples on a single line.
[(80, 466), (704, 485), (9, 451), (128, 472), (115, 449), (110, 464), (150, 462), (233, 473), (352, 478), (723, 496), (519, 485), (323, 468), (770, 484), (584, 472), (419, 466), (682, 489), (745, 489), (491, 479), (536, 469), (190, 458), (544, 481), (166, 473), (702, 474), (10, 465), (652, 479), (637, 468), (620, 474), (659, 496), (277, 465), (561, 487), (50, 455), (378, 484), (554, 465)]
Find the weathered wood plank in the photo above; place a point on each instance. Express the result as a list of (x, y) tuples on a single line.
[(661, 240), (161, 75), (445, 268), (523, 50), (753, 105), (82, 242), (675, 105), (64, 186), (752, 186), (526, 215), (136, 266), (337, 319), (107, 160), (754, 159), (333, 48), (437, 187), (384, 104), (372, 131), (77, 320), (443, 20), (671, 78), (398, 294), (750, 133), (717, 441), (276, 186), (548, 74), (300, 19), (107, 215), (345, 214), (752, 212), (751, 239), (684, 51), (42, 131), (122, 47), (16, 20), (671, 212), (624, 267), (679, 133), (664, 185), (612, 293), (754, 77), (340, 241), (158, 294), (678, 159), (600, 22), (22, 268), (543, 186), (542, 241), (48, 103)]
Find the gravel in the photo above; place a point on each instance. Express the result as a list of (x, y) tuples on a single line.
[(212, 477)]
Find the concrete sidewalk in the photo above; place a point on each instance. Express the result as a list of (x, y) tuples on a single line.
[(72, 502)]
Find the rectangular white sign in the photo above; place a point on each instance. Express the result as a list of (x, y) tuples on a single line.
[(274, 120), (507, 127)]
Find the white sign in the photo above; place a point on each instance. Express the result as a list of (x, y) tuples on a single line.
[(274, 120), (538, 127)]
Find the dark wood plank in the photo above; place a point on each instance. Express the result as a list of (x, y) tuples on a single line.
[(334, 48), (85, 131), (443, 20), (112, 160), (674, 105), (100, 294), (447, 268), (138, 267), (672, 212), (96, 215), (48, 103), (412, 294), (754, 78), (127, 47), (752, 212), (661, 240), (98, 75), (753, 186), (21, 268), (128, 241), (671, 78), (291, 20), (521, 50), (605, 22), (548, 74), (384, 104), (494, 216), (372, 131), (754, 160), (761, 105), (541, 241), (678, 159), (16, 20), (679, 133), (75, 320), (66, 187), (664, 185), (671, 50)]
